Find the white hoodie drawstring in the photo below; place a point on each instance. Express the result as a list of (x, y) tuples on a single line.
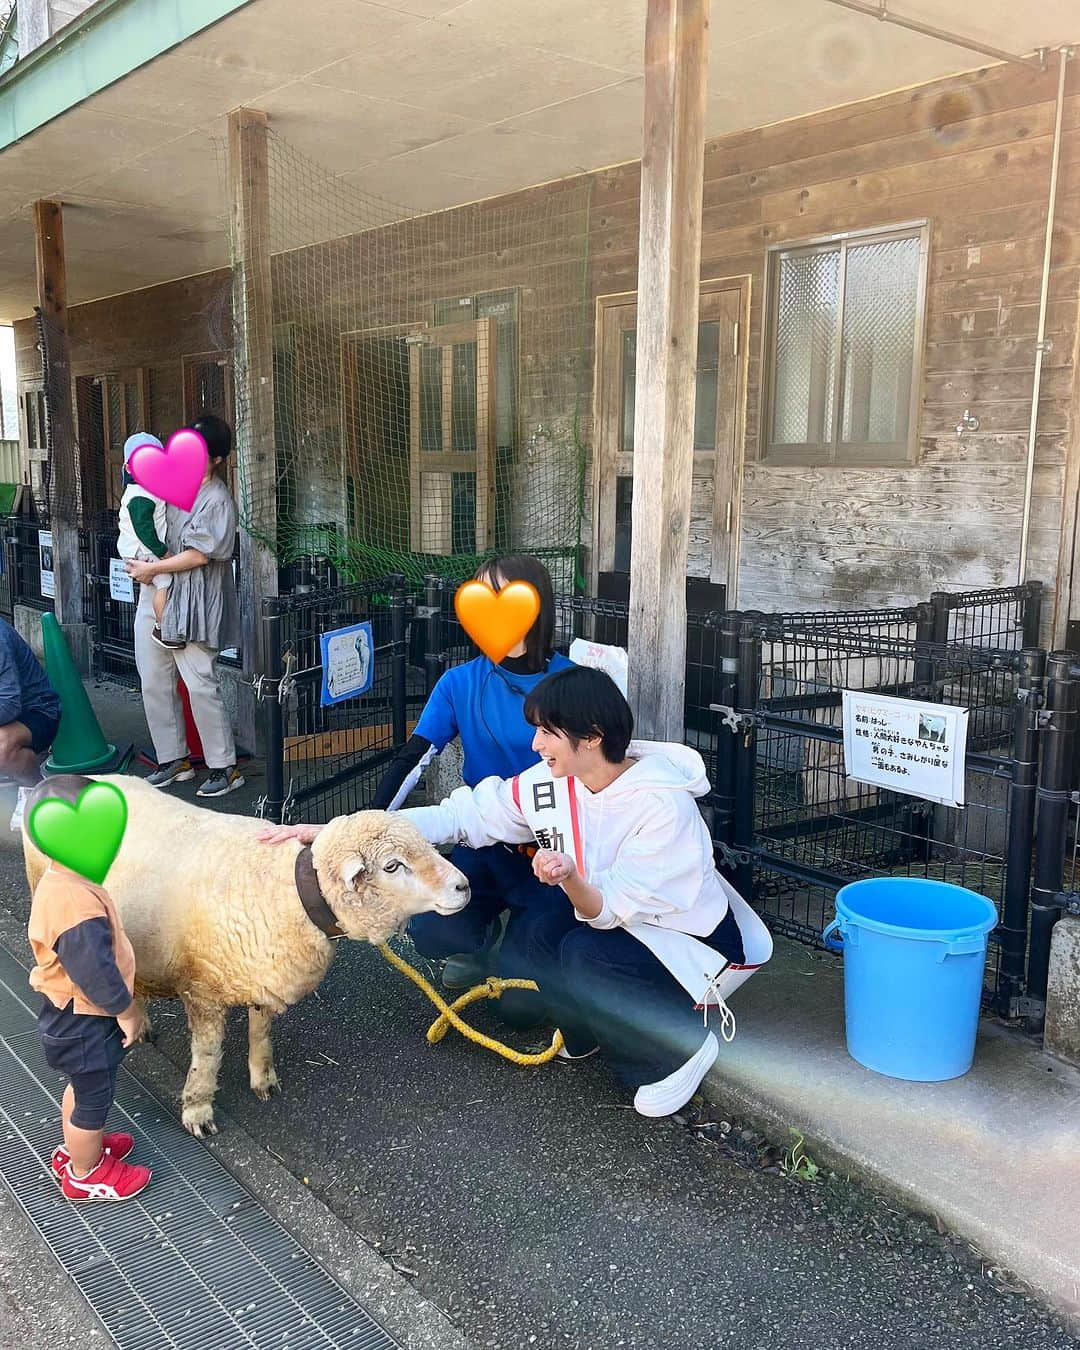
[(727, 1017)]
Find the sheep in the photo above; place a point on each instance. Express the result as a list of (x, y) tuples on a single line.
[(215, 918)]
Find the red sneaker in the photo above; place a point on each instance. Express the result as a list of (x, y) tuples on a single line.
[(119, 1145), (111, 1179)]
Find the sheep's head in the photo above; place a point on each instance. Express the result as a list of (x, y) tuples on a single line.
[(377, 870)]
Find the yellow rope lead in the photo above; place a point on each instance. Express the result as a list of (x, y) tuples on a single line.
[(491, 988)]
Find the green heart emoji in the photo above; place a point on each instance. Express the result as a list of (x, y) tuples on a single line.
[(85, 837)]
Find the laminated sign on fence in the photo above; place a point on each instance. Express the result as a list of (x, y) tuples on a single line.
[(910, 747), (348, 662)]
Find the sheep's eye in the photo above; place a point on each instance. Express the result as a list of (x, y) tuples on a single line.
[(392, 865)]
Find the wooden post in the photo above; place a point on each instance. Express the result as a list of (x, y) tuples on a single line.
[(63, 476), (256, 461), (669, 261)]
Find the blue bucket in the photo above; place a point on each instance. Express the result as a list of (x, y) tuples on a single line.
[(914, 956)]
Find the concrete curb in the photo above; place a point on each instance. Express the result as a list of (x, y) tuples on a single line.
[(987, 1155)]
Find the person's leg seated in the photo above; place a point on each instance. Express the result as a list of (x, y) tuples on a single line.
[(642, 1018), (470, 931), (530, 951), (18, 758)]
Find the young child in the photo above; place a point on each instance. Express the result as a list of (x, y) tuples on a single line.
[(85, 972), (142, 533), (653, 935)]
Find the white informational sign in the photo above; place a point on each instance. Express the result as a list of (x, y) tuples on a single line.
[(45, 559), (121, 586), (611, 660), (348, 662), (910, 747)]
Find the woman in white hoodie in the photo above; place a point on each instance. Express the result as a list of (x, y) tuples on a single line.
[(653, 936)]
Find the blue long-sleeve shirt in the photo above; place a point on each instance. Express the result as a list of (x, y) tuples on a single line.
[(24, 686)]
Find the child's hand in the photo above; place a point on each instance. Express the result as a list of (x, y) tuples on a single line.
[(134, 1024), (553, 868)]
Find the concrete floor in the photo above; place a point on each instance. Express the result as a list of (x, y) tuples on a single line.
[(533, 1208)]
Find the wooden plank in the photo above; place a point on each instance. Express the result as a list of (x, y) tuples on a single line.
[(323, 745), (415, 415), (254, 360), (676, 55), (63, 508), (1067, 596)]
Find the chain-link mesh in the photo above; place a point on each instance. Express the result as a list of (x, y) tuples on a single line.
[(427, 376)]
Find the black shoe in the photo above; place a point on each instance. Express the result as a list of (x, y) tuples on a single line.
[(170, 644), (177, 771), (221, 782)]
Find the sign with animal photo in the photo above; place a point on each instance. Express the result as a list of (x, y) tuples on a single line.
[(47, 566), (910, 747), (348, 662)]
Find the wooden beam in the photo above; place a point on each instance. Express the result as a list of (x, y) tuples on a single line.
[(672, 173), (256, 459), (64, 478)]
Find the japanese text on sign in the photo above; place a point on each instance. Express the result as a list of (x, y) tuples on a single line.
[(914, 748)]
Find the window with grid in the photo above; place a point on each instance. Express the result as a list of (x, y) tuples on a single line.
[(844, 342)]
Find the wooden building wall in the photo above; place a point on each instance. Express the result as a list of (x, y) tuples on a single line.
[(971, 154)]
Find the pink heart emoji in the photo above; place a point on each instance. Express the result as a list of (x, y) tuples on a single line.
[(174, 474)]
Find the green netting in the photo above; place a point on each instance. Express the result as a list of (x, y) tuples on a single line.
[(427, 376)]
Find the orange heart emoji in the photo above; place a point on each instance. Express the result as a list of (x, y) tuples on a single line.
[(496, 620)]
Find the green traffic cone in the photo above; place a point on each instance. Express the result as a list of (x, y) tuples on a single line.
[(80, 746)]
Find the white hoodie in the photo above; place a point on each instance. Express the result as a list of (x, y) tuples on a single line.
[(641, 841)]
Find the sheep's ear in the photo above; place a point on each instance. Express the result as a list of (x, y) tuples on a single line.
[(352, 870)]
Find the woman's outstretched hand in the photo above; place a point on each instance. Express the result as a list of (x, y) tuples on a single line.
[(553, 868), (278, 834)]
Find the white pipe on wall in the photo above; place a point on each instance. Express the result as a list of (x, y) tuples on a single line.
[(1040, 337)]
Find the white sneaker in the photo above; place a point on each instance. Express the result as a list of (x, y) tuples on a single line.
[(17, 814), (563, 1053), (672, 1093)]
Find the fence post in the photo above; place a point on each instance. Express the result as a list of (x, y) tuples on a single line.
[(940, 603), (398, 655), (274, 802), (925, 628), (1025, 764), (1051, 820), (745, 764), (1032, 612), (724, 777), (433, 663)]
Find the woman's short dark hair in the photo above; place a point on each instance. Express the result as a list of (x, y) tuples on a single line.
[(216, 432), (540, 639), (582, 702)]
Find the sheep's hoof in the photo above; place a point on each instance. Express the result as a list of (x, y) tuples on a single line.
[(199, 1120), (265, 1087)]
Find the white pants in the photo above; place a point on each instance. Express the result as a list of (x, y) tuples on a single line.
[(158, 670)]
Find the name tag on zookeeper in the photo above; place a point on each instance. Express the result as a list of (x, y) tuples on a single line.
[(121, 586), (910, 747), (348, 662)]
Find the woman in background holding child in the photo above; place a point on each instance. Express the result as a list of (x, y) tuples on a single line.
[(142, 532)]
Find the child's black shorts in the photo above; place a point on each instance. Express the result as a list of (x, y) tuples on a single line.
[(89, 1050)]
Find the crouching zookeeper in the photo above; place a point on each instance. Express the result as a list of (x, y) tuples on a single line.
[(652, 937)]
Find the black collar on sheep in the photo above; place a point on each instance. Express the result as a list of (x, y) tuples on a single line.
[(312, 898)]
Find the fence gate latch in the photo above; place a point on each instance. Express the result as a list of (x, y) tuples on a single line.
[(1069, 901), (1027, 1007), (426, 611), (734, 721)]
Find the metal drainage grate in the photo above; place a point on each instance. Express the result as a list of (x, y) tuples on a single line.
[(195, 1262)]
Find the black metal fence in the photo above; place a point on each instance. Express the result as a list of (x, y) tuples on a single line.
[(764, 708)]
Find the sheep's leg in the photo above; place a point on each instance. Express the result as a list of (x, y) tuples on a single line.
[(207, 1023), (261, 1073)]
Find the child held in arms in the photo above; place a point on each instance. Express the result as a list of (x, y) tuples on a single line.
[(142, 533), (651, 935)]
